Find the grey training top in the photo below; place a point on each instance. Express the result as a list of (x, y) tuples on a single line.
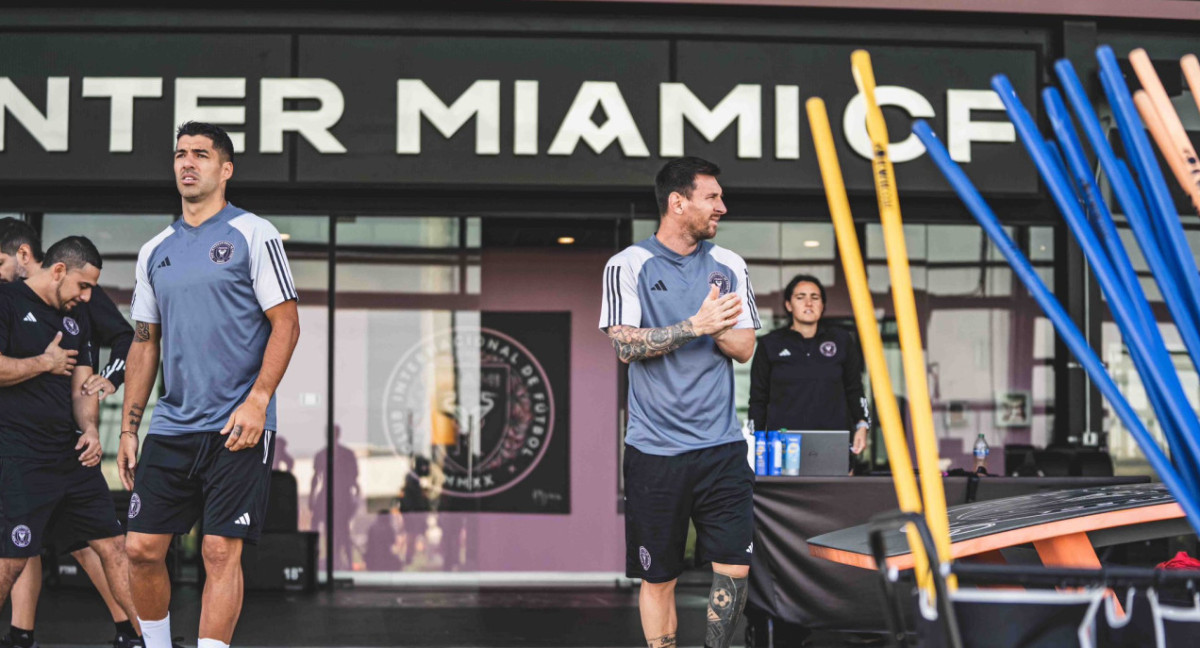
[(681, 401), (209, 287)]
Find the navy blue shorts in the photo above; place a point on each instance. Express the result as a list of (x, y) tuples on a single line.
[(32, 492), (712, 487), (190, 477)]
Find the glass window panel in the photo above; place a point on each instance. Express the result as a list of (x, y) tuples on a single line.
[(112, 233), (914, 241), (474, 232), (824, 272), (955, 243), (310, 274), (389, 231), (993, 253), (954, 281), (980, 354), (752, 240), (399, 278), (808, 241), (765, 279), (1000, 281), (301, 229), (1041, 243), (118, 274), (643, 228)]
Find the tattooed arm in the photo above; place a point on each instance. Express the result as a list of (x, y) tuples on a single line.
[(716, 316), (141, 368), (633, 344)]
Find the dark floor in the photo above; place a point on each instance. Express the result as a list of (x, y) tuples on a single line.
[(367, 617)]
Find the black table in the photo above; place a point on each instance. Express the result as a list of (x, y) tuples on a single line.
[(789, 585)]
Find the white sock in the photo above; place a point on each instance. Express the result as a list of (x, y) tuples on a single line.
[(211, 643), (156, 634)]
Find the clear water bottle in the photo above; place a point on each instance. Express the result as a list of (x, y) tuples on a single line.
[(748, 435), (981, 453)]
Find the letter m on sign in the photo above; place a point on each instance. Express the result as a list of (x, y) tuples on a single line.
[(415, 100)]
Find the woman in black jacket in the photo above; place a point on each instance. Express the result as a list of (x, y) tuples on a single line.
[(808, 376)]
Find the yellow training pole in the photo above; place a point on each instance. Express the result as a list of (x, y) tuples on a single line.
[(906, 312), (868, 330)]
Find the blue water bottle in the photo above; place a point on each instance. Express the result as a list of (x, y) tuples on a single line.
[(791, 454), (775, 445), (760, 452)]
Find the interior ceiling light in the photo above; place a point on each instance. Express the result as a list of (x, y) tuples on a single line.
[(566, 240)]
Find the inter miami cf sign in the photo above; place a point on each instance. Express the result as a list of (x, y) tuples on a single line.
[(493, 399)]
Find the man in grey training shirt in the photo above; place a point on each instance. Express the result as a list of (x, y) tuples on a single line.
[(215, 291), (678, 310)]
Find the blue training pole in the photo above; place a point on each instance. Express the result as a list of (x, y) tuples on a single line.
[(1084, 186), (1187, 448), (1135, 211), (1166, 401), (1062, 322), (1158, 197)]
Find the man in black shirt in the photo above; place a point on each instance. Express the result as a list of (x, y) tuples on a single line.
[(44, 400), (21, 255)]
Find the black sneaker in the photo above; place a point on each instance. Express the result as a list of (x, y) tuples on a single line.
[(123, 640), (7, 642)]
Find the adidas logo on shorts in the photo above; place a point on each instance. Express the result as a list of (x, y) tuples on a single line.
[(243, 520)]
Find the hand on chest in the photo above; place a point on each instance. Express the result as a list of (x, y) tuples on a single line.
[(675, 293), (36, 328)]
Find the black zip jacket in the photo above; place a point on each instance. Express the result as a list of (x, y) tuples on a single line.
[(803, 383), (109, 329)]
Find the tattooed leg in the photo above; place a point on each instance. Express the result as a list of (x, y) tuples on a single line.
[(656, 603), (726, 601)]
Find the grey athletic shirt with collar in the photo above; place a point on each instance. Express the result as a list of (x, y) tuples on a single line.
[(209, 288), (684, 400)]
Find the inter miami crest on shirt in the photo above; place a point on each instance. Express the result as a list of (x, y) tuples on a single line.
[(722, 283), (221, 252), (71, 326)]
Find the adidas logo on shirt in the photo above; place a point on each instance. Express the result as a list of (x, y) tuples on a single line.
[(659, 285), (785, 353), (29, 317), (243, 520), (165, 262)]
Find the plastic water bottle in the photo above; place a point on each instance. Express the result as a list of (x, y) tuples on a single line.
[(748, 435), (774, 453), (981, 453), (761, 457)]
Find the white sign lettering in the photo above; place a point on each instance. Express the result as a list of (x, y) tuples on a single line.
[(416, 104)]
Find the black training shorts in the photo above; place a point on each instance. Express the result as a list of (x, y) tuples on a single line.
[(32, 491), (713, 487), (190, 477)]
